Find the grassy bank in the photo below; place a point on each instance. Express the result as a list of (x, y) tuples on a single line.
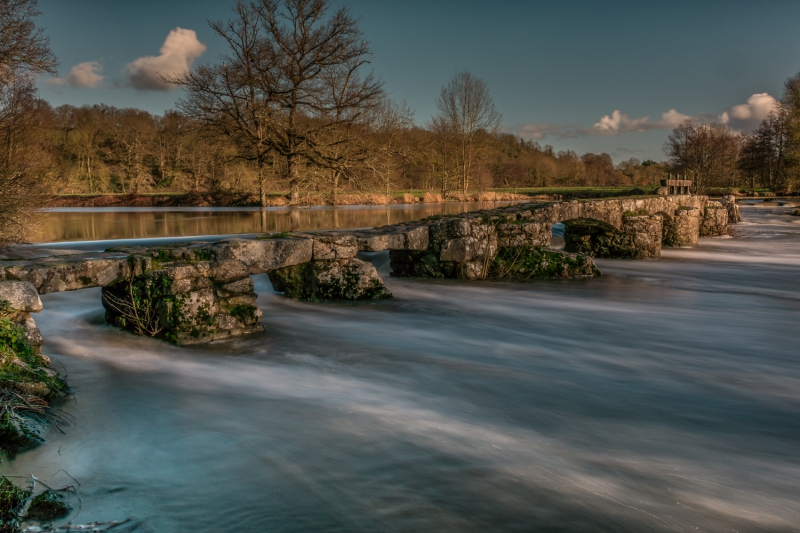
[(27, 387), (280, 198)]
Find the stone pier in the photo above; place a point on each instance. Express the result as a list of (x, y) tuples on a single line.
[(184, 302)]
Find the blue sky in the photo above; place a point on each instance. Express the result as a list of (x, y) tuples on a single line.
[(555, 69)]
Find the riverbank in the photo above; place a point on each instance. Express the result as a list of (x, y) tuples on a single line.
[(231, 199), (208, 199)]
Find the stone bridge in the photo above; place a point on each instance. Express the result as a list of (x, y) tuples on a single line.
[(202, 291)]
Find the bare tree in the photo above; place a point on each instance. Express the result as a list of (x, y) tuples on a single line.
[(466, 111), (389, 122), (294, 75), (707, 153), (24, 52)]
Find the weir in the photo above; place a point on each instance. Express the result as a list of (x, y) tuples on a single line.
[(201, 291)]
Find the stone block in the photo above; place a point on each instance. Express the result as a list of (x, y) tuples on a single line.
[(242, 286), (264, 255), (465, 249), (336, 246), (229, 270), (450, 228)]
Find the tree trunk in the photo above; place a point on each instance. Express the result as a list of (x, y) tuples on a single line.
[(262, 189), (293, 173), (335, 186)]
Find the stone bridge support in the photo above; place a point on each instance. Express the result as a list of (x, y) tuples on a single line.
[(683, 229), (715, 220), (333, 272), (184, 302), (639, 238)]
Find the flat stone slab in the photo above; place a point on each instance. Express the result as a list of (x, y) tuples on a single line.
[(68, 272)]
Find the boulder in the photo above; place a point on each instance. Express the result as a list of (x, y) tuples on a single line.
[(21, 296), (340, 279), (662, 191)]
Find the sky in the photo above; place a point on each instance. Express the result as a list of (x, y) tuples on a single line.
[(610, 77)]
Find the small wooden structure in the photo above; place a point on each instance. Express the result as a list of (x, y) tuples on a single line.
[(677, 185)]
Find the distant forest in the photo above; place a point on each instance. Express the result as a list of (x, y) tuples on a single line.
[(293, 110), (102, 149)]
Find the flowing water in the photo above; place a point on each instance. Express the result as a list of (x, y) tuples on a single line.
[(664, 396), (97, 223)]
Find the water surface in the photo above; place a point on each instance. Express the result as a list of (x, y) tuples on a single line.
[(664, 396), (105, 223)]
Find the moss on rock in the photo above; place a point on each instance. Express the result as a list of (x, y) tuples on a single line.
[(27, 383), (525, 263)]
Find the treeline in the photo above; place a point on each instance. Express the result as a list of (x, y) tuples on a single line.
[(715, 157), (101, 149)]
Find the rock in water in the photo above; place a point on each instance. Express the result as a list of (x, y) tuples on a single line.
[(341, 279)]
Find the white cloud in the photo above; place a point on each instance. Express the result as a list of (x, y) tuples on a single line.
[(672, 119), (82, 75), (178, 53), (746, 117), (619, 122), (742, 117)]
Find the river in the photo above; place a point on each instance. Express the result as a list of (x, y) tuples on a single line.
[(664, 396), (98, 223)]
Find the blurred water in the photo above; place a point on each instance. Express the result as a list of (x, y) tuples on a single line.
[(664, 396)]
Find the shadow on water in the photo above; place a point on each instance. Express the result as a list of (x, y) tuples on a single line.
[(661, 397)]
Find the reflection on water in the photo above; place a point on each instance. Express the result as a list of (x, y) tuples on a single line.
[(663, 396), (128, 223)]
